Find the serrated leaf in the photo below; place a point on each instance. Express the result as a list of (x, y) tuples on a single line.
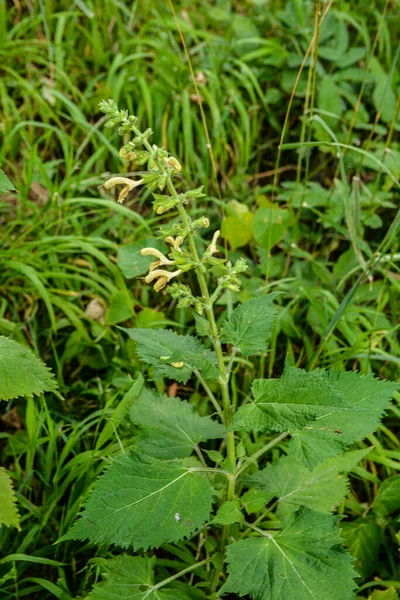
[(296, 399), (250, 324), (254, 500), (21, 372), (132, 578), (363, 537), (229, 513), (387, 500), (331, 434), (172, 355), (172, 427), (294, 485), (5, 183), (8, 511), (299, 562), (250, 418), (140, 502)]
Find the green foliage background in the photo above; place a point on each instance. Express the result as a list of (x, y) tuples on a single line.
[(69, 257)]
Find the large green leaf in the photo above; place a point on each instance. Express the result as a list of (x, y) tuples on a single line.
[(387, 500), (294, 485), (331, 434), (304, 561), (363, 537), (172, 429), (172, 355), (250, 324), (132, 578), (141, 502), (8, 511), (21, 372), (296, 399)]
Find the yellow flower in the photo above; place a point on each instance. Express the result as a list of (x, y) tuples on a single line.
[(128, 184), (163, 278), (162, 260)]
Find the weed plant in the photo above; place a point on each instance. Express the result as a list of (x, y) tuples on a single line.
[(324, 173)]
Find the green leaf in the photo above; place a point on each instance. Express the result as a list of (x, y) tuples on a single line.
[(140, 502), (172, 427), (120, 308), (229, 513), (150, 318), (249, 326), (294, 485), (296, 399), (389, 594), (250, 418), (172, 355), (237, 227), (387, 500), (299, 562), (21, 372), (254, 500), (363, 537), (270, 225), (8, 511), (131, 262), (5, 183), (132, 578), (384, 98), (329, 101), (368, 398)]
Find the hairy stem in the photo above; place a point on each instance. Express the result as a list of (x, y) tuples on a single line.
[(223, 372)]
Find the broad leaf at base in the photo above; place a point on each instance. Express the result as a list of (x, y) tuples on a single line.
[(294, 485), (304, 561), (140, 502), (132, 578)]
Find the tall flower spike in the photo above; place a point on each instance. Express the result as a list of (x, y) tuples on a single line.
[(128, 184)]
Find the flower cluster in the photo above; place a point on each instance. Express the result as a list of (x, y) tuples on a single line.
[(161, 169)]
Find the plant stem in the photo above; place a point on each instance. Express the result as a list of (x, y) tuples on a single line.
[(223, 375), (223, 372), (254, 457), (209, 393), (176, 576)]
